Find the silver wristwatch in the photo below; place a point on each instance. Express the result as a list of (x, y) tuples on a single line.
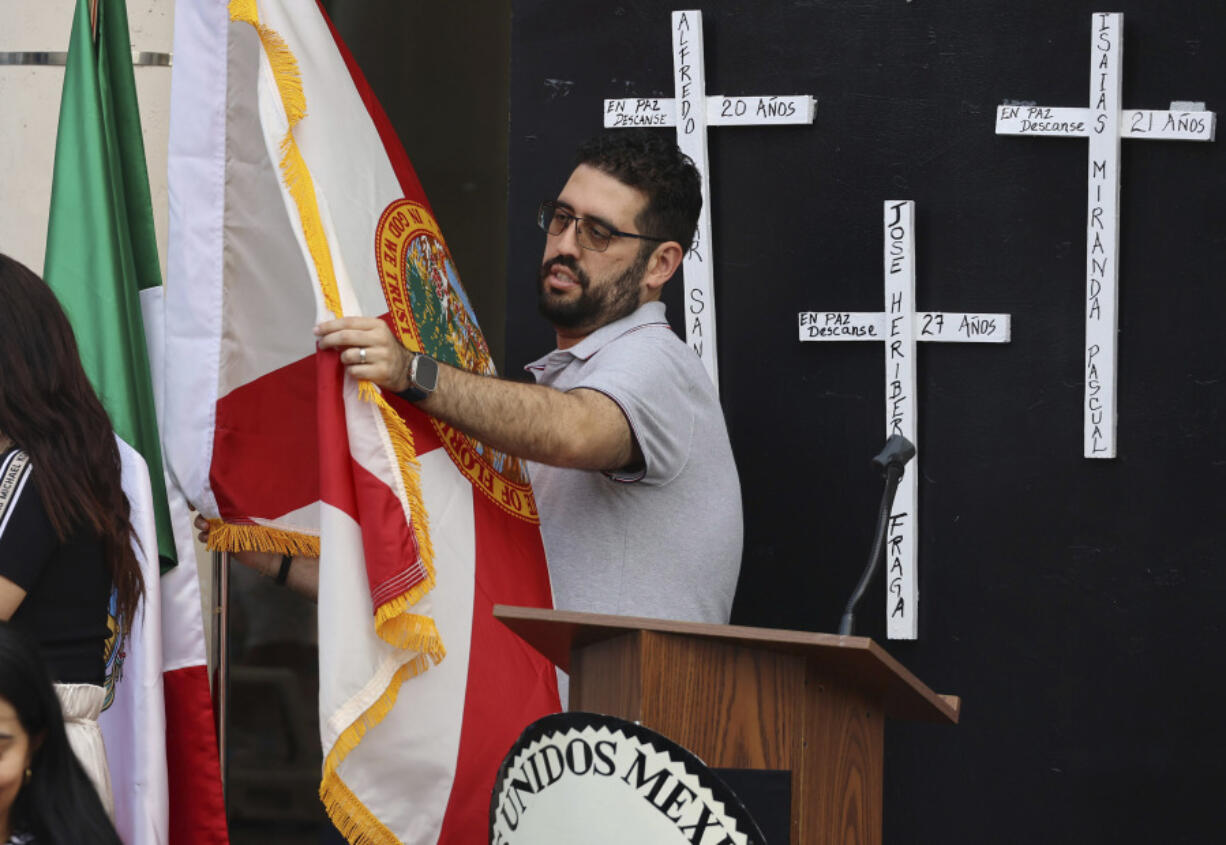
[(423, 378)]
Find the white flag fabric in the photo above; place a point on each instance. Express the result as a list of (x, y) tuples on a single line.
[(292, 202), (134, 721), (196, 812), (158, 722)]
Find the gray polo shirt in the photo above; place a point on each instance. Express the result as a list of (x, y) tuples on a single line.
[(664, 542)]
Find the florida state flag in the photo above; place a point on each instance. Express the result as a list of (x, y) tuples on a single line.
[(293, 202)]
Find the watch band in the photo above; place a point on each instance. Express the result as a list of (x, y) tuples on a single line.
[(423, 377), (283, 572)]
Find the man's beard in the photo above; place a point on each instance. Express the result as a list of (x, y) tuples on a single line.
[(611, 301)]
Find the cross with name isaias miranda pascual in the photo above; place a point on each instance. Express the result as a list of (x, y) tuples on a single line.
[(900, 327), (1104, 123), (691, 111)]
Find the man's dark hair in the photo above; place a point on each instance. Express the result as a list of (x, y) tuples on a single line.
[(651, 163)]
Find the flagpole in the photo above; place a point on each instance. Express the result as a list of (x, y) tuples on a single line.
[(93, 19), (221, 659)]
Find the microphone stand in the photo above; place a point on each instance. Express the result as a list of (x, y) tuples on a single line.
[(898, 450)]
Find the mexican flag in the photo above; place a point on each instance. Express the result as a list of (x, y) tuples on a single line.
[(102, 262)]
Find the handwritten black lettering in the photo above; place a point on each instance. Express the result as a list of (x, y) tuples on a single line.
[(697, 303), (842, 331), (973, 325), (1184, 123), (621, 120), (899, 608), (1068, 127), (774, 107), (733, 108)]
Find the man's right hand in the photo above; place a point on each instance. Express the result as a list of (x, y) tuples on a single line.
[(369, 350)]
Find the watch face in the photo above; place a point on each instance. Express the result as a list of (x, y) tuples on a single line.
[(425, 372)]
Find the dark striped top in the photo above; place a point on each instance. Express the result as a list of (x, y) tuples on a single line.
[(67, 584)]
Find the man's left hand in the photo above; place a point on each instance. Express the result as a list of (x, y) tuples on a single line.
[(369, 350)]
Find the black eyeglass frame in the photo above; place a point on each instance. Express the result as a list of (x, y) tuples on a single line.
[(549, 208)]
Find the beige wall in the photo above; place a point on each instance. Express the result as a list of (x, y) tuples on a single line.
[(29, 112)]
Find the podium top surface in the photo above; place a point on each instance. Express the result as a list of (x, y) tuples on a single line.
[(554, 633)]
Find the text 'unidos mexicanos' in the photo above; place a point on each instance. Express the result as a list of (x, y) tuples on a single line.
[(623, 765)]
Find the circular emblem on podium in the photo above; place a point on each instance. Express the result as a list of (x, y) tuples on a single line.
[(599, 780)]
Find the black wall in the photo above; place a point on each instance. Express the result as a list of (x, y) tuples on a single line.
[(440, 72), (1075, 605)]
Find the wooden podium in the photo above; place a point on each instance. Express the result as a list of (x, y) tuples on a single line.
[(748, 698)]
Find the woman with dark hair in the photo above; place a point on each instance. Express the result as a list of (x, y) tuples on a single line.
[(65, 537), (45, 797)]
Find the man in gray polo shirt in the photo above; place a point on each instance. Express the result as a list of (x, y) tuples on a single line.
[(634, 478), (661, 537)]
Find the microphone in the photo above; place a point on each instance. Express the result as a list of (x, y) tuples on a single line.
[(898, 450)]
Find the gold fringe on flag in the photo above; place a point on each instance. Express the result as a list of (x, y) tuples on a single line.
[(352, 818), (409, 630), (356, 823), (294, 171), (227, 537), (406, 457), (301, 187), (393, 623)]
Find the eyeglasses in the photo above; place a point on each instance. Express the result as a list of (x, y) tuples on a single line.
[(590, 234)]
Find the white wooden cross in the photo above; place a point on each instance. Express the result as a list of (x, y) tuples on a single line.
[(900, 327), (1105, 123), (691, 111)]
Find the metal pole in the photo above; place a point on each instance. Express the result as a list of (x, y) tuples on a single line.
[(221, 659), (140, 58)]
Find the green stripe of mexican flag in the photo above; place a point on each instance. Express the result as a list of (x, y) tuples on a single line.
[(101, 246)]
